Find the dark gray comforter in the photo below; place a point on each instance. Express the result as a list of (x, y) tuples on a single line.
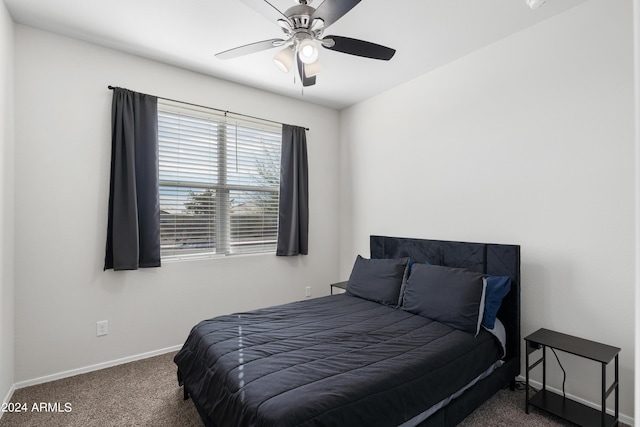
[(332, 361)]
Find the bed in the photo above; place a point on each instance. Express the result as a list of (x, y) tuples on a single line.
[(351, 359)]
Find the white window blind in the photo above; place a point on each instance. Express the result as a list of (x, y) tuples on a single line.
[(219, 182)]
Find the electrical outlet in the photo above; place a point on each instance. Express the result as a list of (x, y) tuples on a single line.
[(307, 291), (102, 328)]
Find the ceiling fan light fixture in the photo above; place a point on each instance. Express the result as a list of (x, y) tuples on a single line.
[(534, 4), (308, 51), (284, 59), (311, 70)]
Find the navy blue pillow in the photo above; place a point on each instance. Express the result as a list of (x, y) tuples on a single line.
[(377, 280), (453, 296), (497, 288)]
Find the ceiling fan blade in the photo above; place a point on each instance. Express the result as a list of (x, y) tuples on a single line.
[(266, 9), (249, 48), (332, 10), (306, 81), (359, 48)]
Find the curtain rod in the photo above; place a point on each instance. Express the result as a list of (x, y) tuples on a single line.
[(215, 109)]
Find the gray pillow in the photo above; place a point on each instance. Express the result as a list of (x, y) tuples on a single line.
[(453, 296), (377, 280)]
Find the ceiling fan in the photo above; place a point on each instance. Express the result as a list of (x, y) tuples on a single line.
[(304, 26)]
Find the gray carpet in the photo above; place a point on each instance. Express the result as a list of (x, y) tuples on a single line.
[(146, 393)]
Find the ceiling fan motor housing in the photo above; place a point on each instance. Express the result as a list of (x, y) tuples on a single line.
[(300, 16)]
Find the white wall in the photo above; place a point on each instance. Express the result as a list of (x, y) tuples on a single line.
[(6, 202), (636, 28), (63, 113), (528, 141)]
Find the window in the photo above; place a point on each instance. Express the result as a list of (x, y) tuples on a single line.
[(219, 183)]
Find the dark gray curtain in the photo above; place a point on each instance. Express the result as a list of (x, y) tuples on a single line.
[(133, 230), (293, 215)]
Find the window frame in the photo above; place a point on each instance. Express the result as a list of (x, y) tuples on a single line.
[(222, 187)]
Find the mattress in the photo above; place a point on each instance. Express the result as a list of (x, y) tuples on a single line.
[(331, 361)]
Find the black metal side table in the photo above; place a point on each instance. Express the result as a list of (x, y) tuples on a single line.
[(558, 405)]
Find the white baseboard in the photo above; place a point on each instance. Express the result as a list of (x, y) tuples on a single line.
[(8, 397), (622, 418), (86, 369)]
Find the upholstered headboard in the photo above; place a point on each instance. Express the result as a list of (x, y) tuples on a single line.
[(486, 258)]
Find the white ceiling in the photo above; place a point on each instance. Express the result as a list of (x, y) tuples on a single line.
[(187, 33)]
